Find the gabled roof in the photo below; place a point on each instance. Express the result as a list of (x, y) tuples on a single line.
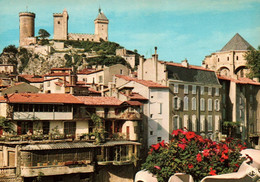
[(42, 98), (193, 74), (236, 43), (100, 101), (134, 96), (147, 83)]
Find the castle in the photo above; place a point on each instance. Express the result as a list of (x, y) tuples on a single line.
[(27, 26)]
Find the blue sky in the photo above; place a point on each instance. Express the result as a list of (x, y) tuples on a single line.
[(180, 29)]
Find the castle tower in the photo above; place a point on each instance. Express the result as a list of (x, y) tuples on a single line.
[(60, 25), (101, 26), (26, 28)]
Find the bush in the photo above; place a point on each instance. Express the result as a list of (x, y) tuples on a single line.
[(10, 49), (191, 154)]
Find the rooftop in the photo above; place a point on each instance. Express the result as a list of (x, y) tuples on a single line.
[(239, 80), (100, 101)]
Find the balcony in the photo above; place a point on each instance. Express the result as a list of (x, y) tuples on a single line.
[(7, 172), (56, 170), (42, 116)]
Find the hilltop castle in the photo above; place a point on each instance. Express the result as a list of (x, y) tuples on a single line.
[(27, 27)]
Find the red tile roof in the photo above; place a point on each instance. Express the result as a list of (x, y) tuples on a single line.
[(33, 78), (93, 90), (61, 69), (86, 71), (239, 80), (58, 74), (134, 103), (147, 83), (100, 101), (42, 98), (135, 96)]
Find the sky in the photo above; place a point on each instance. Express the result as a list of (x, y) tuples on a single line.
[(181, 29)]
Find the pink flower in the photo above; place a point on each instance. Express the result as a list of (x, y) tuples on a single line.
[(181, 145), (157, 167)]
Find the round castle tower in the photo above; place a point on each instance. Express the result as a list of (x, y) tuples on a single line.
[(27, 28)]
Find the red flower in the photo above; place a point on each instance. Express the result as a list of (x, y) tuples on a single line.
[(236, 165), (162, 143), (183, 140), (225, 157), (190, 135), (181, 145), (176, 132), (206, 152), (199, 157), (190, 166), (157, 167), (156, 147), (212, 172)]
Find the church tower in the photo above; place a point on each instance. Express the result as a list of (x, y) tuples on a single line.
[(60, 25), (101, 26)]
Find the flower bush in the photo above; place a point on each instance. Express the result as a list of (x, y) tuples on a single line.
[(191, 154)]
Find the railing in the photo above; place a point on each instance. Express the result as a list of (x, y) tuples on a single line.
[(7, 171)]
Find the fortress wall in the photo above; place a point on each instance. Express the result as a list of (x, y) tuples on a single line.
[(83, 37)]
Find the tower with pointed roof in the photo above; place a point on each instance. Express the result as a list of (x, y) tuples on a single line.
[(101, 26), (229, 61), (60, 25)]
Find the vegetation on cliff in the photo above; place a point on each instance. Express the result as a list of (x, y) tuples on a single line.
[(253, 62)]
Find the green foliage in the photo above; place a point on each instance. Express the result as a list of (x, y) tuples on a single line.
[(104, 47), (68, 59), (6, 125), (230, 126), (25, 57), (108, 61), (43, 34), (10, 49), (253, 62), (191, 154), (98, 130)]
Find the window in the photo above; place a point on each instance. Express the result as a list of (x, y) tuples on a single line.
[(151, 132), (217, 91), (186, 89), (210, 105), (100, 79), (216, 123), (202, 90), (202, 104), (186, 121), (46, 127), (176, 122), (202, 123), (228, 58), (176, 103), (58, 22), (193, 106), (176, 88), (160, 108), (209, 90), (121, 71), (210, 123), (186, 104), (194, 89), (216, 105), (70, 128), (194, 123), (237, 57), (24, 126), (159, 139)]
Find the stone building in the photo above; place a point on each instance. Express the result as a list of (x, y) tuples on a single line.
[(27, 28), (240, 95), (194, 99), (229, 61), (56, 139), (61, 28)]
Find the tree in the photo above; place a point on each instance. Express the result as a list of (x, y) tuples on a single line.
[(10, 49), (43, 34), (253, 62)]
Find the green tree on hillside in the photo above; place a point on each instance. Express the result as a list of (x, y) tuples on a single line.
[(253, 62), (43, 34)]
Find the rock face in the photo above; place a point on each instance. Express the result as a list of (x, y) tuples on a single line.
[(28, 62)]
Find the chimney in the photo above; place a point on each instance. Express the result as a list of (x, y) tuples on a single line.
[(155, 62), (185, 63), (140, 68)]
